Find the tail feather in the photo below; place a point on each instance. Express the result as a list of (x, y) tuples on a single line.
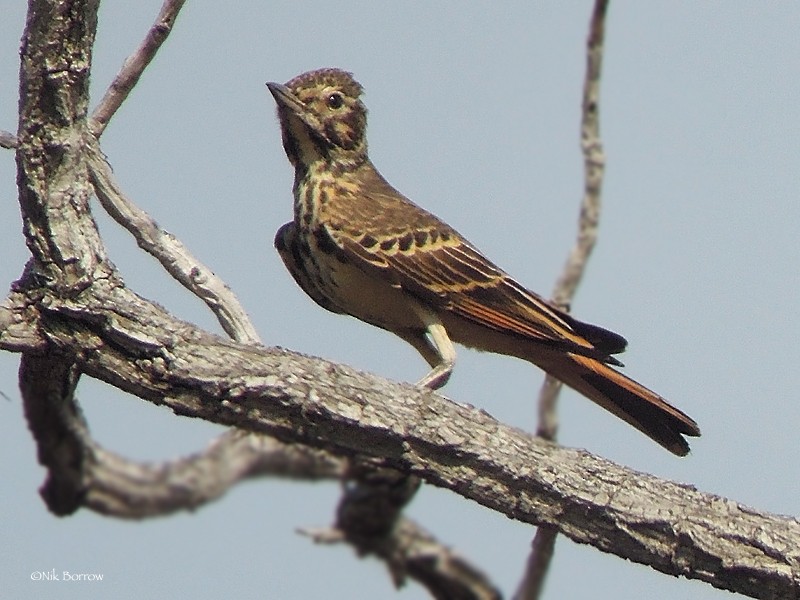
[(630, 401), (601, 338)]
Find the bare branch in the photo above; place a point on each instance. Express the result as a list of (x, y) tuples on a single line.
[(81, 473), (411, 551), (593, 160), (538, 563), (169, 251), (47, 385), (594, 163), (123, 488), (138, 347), (594, 166), (52, 178), (134, 66), (8, 140), (446, 574)]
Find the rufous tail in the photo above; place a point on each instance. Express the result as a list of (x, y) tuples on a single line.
[(629, 400)]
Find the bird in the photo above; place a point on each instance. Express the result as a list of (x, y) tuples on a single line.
[(358, 247)]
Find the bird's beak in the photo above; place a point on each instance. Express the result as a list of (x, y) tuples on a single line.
[(285, 98), (287, 101)]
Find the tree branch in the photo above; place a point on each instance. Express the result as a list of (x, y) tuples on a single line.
[(411, 551), (169, 251), (593, 161), (544, 542), (47, 385), (134, 66), (538, 564), (8, 140), (126, 489), (52, 178), (136, 346)]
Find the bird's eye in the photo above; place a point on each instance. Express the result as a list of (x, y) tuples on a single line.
[(335, 100)]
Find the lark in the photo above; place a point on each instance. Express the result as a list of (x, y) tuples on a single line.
[(359, 247)]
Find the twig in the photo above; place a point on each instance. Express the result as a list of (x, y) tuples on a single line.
[(539, 559), (411, 551), (134, 66), (594, 163), (8, 140), (168, 250)]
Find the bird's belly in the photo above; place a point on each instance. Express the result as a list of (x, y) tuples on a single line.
[(484, 339), (372, 300)]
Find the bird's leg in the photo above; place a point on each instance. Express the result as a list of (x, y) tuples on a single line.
[(437, 338), (422, 342), (435, 347)]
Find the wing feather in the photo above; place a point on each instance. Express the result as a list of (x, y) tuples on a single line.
[(433, 262)]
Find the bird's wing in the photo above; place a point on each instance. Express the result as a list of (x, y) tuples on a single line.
[(409, 247), (288, 246)]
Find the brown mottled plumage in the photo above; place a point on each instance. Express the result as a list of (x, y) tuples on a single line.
[(357, 246)]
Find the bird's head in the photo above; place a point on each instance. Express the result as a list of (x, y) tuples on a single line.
[(322, 118)]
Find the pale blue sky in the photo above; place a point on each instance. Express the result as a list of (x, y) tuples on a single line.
[(474, 114)]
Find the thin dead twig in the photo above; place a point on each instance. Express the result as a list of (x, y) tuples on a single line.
[(134, 66), (543, 545), (169, 251), (8, 140), (412, 551)]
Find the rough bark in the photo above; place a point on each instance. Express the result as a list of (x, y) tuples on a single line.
[(135, 345)]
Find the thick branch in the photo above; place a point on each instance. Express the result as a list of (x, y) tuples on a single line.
[(136, 346), (67, 251), (51, 170)]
